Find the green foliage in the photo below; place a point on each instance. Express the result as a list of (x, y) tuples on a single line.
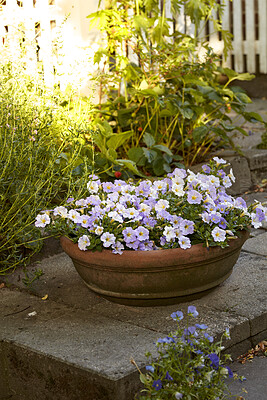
[(171, 92), (43, 156)]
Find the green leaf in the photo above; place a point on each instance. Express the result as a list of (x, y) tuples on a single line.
[(136, 154), (118, 139), (150, 154), (252, 117), (167, 167), (140, 22), (143, 85), (131, 166), (111, 155), (148, 139), (104, 127), (187, 112), (158, 166), (163, 148), (245, 77), (243, 98), (167, 113), (199, 133)]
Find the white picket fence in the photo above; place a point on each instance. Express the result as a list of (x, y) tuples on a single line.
[(38, 20)]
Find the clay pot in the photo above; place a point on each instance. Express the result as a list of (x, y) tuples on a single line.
[(159, 277)]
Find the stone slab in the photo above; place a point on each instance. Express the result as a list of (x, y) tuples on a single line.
[(257, 245), (255, 373)]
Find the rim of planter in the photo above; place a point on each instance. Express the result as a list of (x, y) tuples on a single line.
[(140, 260)]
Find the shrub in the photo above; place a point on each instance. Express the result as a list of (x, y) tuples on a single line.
[(42, 158)]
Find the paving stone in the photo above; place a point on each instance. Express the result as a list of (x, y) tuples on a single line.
[(257, 245)]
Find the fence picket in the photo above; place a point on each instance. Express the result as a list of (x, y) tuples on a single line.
[(238, 46), (263, 36), (250, 45)]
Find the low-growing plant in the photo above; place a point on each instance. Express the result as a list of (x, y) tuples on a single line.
[(190, 364)]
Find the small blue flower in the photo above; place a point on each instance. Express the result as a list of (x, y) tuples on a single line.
[(230, 372), (157, 384), (177, 316), (178, 395), (210, 338), (149, 368), (215, 361), (201, 326), (192, 311), (168, 376), (190, 330), (167, 339)]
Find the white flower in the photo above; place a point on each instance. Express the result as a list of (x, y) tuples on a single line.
[(131, 213), (178, 189), (92, 186), (108, 239), (159, 185), (231, 175), (74, 216), (42, 220), (62, 211), (218, 234), (178, 180), (169, 233), (214, 180), (256, 223), (115, 216), (99, 230), (83, 242), (161, 205), (219, 160), (184, 242), (227, 182), (144, 208), (117, 248)]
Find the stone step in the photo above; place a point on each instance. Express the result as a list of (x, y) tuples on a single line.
[(76, 345)]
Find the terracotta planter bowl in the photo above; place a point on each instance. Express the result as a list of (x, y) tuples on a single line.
[(147, 278)]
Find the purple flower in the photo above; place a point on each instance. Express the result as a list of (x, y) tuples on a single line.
[(221, 173), (210, 338), (215, 218), (157, 384), (187, 227), (133, 245), (177, 316), (108, 187), (223, 223), (129, 235), (201, 326), (215, 361), (117, 248), (178, 395), (168, 376), (149, 368), (206, 168), (191, 330), (230, 372), (194, 197), (260, 214), (192, 311), (167, 340)]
